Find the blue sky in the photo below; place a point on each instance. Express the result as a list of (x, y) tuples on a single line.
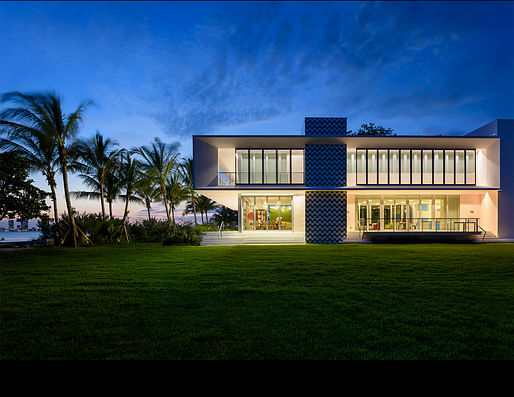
[(172, 69)]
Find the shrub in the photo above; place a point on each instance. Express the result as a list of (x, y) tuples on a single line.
[(182, 235)]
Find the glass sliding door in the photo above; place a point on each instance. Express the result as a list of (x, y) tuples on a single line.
[(273, 213), (459, 167), (297, 166), (427, 167), (383, 167), (286, 214), (372, 167), (260, 213), (242, 164), (425, 213), (454, 212), (361, 203), (256, 166), (394, 167), (470, 167), (389, 213), (374, 213), (270, 166), (267, 213), (248, 206), (284, 166), (440, 215), (438, 167), (416, 167), (449, 167), (405, 167), (414, 207), (361, 167), (400, 213)]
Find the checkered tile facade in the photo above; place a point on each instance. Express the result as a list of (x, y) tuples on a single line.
[(325, 126), (325, 165), (325, 217)]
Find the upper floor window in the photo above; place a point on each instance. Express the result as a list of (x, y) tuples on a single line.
[(414, 166), (269, 166)]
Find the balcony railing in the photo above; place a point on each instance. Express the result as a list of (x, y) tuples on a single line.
[(260, 178), (467, 225)]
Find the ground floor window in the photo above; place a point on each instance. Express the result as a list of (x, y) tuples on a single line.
[(266, 212), (408, 212)]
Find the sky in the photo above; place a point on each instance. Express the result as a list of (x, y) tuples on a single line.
[(173, 69)]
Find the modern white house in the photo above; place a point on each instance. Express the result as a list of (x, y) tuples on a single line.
[(327, 186)]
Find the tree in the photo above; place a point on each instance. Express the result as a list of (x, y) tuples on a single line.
[(159, 160), (111, 187), (147, 192), (18, 197), (93, 158), (175, 192), (225, 215), (43, 112), (372, 130), (40, 151), (186, 168), (205, 204), (129, 178)]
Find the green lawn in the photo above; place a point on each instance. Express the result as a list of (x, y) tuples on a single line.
[(146, 301)]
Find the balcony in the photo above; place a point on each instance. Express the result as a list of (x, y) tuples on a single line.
[(421, 229), (260, 178), (419, 225)]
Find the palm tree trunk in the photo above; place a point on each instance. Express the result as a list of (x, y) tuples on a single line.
[(64, 159), (102, 197), (173, 213), (126, 207), (163, 192), (148, 208), (206, 218), (52, 184), (194, 206), (110, 209)]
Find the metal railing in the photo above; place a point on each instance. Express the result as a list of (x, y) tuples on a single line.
[(260, 178), (220, 229), (468, 225)]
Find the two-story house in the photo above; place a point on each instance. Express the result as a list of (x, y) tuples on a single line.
[(330, 186)]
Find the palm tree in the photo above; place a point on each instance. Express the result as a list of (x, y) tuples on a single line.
[(175, 192), (205, 204), (147, 192), (40, 151), (94, 156), (159, 160), (129, 176), (186, 169), (225, 215), (113, 185), (43, 112)]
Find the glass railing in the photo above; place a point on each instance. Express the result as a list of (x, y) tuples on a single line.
[(468, 225), (260, 178)]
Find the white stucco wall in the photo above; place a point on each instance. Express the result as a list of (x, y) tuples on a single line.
[(299, 213)]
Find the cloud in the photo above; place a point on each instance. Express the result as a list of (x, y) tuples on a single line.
[(382, 59)]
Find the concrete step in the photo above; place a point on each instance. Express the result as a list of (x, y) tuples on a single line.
[(236, 238)]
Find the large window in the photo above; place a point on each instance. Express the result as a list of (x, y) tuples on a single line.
[(269, 166), (267, 213), (414, 166), (409, 213)]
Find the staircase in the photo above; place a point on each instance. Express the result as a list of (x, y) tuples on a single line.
[(252, 238)]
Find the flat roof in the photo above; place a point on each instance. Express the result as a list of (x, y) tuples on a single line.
[(293, 141)]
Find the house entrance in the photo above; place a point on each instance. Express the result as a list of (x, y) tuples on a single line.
[(266, 213)]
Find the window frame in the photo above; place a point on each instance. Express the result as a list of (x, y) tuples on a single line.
[(276, 149), (399, 149)]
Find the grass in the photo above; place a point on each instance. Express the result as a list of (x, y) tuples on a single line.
[(146, 301)]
